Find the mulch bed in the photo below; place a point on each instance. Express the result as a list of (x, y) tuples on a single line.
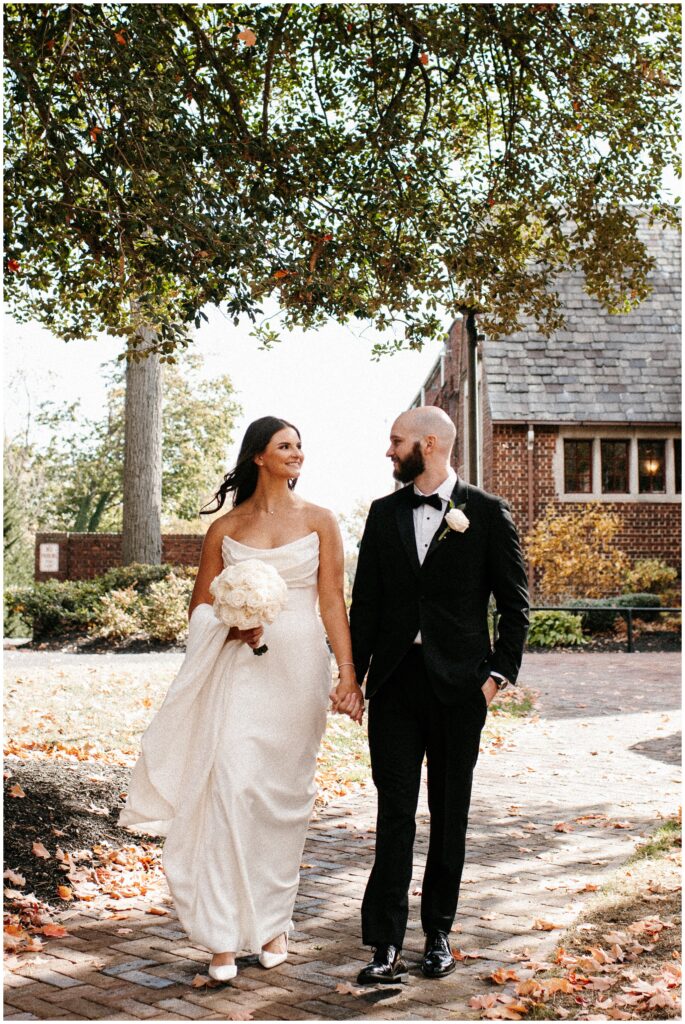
[(59, 794), (644, 643)]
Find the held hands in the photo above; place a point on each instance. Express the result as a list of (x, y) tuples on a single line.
[(348, 699), (251, 637)]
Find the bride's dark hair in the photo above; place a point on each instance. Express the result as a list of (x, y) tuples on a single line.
[(242, 480)]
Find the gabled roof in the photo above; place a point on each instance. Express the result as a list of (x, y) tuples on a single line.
[(601, 367)]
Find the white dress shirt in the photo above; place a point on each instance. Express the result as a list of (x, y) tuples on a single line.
[(427, 519)]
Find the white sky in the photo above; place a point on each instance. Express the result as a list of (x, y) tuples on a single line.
[(323, 381)]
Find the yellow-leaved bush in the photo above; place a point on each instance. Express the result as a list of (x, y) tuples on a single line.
[(575, 554)]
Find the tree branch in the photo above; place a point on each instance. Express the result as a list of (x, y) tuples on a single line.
[(273, 47)]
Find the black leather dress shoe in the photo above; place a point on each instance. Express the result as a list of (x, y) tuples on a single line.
[(386, 968), (437, 961)]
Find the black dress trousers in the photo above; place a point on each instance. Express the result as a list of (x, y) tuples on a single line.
[(406, 723)]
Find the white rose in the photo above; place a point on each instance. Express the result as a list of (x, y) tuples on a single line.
[(456, 520)]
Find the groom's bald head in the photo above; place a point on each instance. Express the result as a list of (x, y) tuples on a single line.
[(428, 421), (421, 441)]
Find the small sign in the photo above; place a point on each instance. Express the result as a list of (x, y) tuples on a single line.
[(48, 558)]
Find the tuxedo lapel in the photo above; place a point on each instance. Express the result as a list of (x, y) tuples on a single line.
[(460, 496), (404, 514)]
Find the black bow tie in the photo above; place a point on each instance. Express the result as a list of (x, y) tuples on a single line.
[(426, 499)]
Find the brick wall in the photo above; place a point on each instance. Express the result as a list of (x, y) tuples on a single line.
[(648, 530), (84, 555)]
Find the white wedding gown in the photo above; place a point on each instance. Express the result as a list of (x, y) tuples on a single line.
[(227, 766)]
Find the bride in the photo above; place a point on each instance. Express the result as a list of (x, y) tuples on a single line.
[(227, 766)]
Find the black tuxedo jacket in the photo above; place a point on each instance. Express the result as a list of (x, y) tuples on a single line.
[(394, 595)]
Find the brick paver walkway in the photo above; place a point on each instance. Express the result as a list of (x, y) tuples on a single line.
[(602, 755)]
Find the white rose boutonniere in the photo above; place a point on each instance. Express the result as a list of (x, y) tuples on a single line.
[(455, 519)]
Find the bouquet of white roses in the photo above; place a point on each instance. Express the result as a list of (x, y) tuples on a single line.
[(248, 594)]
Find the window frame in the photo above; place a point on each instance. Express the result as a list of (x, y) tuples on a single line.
[(610, 432)]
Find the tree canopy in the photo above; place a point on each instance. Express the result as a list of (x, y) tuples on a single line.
[(377, 161)]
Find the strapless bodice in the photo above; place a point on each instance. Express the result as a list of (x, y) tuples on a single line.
[(297, 562)]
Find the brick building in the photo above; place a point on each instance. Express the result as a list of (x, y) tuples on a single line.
[(591, 414)]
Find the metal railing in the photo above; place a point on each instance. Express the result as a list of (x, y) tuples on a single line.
[(627, 613)]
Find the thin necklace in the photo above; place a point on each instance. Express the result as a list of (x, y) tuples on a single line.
[(268, 511)]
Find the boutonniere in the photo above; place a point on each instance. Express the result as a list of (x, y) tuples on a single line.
[(455, 519)]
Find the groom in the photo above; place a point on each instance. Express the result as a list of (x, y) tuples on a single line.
[(420, 629)]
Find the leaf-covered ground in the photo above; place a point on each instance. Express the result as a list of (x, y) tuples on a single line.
[(72, 735), (621, 961)]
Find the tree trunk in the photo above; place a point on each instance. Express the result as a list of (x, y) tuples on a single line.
[(142, 530)]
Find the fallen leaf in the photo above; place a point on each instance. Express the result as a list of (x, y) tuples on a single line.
[(157, 910), (17, 791), (200, 980), (54, 931), (346, 989), (14, 877), (563, 826), (64, 892), (552, 985), (482, 1002), (94, 809), (40, 851), (544, 926), (502, 975)]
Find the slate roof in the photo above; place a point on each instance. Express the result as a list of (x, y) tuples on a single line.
[(601, 367)]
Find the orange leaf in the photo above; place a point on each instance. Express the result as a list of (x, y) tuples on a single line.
[(281, 273), (247, 36), (94, 132), (200, 980), (54, 931), (563, 826), (120, 37), (423, 57), (64, 892), (544, 926), (40, 851), (17, 791), (13, 265), (502, 975), (157, 910), (557, 985)]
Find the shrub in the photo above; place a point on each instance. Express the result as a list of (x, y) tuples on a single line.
[(574, 553), (639, 601), (165, 610), (54, 606), (119, 615), (141, 576), (555, 629), (651, 576), (601, 618)]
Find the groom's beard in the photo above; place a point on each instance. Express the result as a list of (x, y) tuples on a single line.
[(411, 467)]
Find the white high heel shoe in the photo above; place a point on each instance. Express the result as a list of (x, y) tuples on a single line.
[(268, 960), (222, 972)]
